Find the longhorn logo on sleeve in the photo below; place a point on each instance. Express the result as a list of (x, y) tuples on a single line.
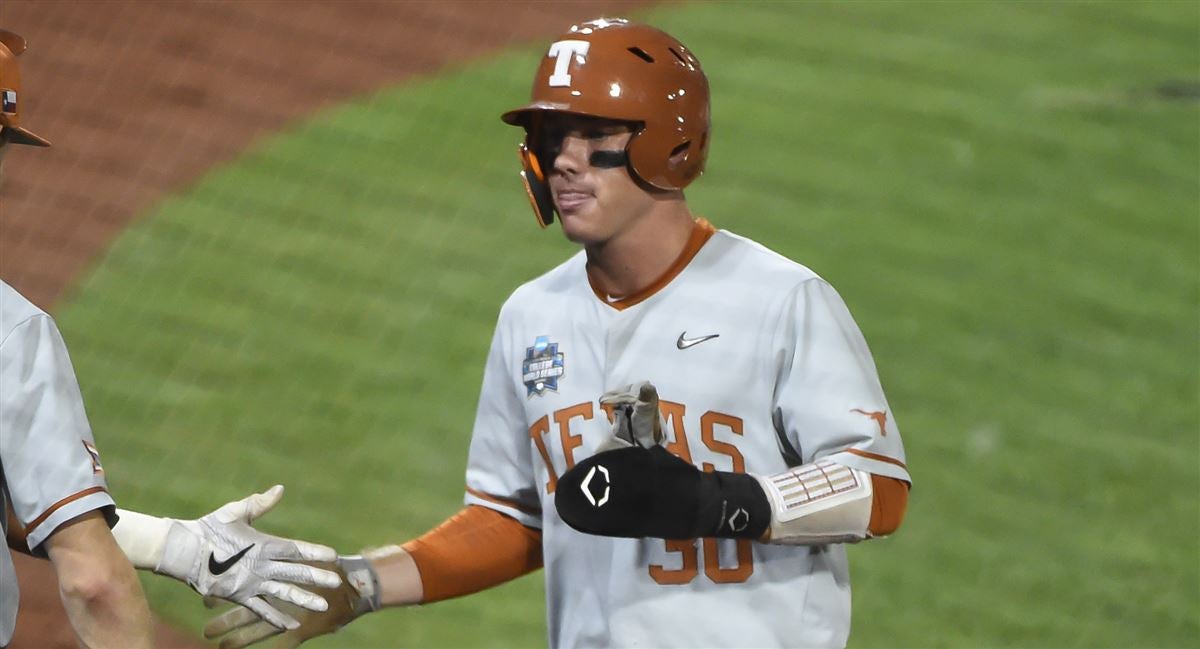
[(880, 418)]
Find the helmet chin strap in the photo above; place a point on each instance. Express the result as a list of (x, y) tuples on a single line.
[(608, 159)]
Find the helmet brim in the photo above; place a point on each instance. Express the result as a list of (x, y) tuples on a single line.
[(18, 135), (520, 116)]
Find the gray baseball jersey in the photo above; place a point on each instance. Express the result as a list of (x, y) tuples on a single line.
[(759, 367), (49, 466)]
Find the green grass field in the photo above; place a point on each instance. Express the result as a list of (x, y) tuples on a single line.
[(1004, 200)]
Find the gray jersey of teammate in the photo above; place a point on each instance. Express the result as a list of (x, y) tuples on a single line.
[(49, 465)]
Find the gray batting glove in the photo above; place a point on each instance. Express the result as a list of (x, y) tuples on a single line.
[(637, 420), (221, 555)]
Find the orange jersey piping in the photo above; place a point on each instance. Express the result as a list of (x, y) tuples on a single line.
[(505, 502), (702, 231), (878, 458), (60, 504)]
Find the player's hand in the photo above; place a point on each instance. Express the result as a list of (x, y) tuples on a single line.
[(637, 420), (357, 595), (633, 487), (221, 555)]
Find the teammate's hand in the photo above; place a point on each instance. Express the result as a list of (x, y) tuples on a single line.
[(221, 555), (357, 595), (637, 420)]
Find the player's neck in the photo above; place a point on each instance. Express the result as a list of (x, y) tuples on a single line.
[(642, 253)]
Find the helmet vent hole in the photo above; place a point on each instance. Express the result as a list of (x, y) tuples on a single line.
[(641, 54), (679, 153), (678, 55)]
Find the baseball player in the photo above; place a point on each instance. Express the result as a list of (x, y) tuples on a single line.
[(56, 498), (706, 497)]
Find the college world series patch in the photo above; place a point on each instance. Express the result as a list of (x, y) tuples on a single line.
[(542, 367)]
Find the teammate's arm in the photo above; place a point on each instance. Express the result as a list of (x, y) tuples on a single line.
[(186, 550), (222, 555), (101, 594), (55, 485), (473, 550)]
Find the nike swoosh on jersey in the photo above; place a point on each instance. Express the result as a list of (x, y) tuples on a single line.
[(684, 342), (219, 567)]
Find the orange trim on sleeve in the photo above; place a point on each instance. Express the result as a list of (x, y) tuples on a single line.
[(526, 509), (702, 231), (475, 549), (888, 505), (878, 458), (58, 505)]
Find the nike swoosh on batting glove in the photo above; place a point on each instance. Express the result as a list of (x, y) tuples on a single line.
[(222, 555)]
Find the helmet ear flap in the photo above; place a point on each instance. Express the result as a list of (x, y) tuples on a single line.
[(536, 186), (653, 159)]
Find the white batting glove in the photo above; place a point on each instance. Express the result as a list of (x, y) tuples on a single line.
[(221, 555), (636, 417), (358, 595)]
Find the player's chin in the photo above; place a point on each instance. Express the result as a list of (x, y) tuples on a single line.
[(581, 226)]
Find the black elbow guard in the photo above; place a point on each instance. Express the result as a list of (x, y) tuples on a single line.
[(638, 493)]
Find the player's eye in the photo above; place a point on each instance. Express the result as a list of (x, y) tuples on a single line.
[(549, 138)]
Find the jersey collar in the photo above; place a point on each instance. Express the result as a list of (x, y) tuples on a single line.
[(702, 231)]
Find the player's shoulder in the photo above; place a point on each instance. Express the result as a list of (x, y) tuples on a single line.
[(753, 261), (560, 283), (15, 310)]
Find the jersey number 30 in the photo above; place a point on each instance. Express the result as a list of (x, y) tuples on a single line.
[(689, 566)]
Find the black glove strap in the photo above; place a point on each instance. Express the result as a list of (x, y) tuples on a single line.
[(361, 576)]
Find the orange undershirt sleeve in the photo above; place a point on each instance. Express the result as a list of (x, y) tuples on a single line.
[(475, 549), (888, 505)]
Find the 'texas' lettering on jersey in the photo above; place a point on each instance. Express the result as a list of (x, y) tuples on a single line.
[(557, 427)]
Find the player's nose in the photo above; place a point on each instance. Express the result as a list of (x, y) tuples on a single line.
[(572, 156)]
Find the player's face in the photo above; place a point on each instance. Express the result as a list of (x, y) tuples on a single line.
[(595, 199)]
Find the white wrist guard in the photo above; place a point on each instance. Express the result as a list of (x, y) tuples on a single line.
[(818, 503), (141, 537), (168, 547)]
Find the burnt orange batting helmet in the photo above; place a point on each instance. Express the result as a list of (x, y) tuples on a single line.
[(614, 69), (11, 46)]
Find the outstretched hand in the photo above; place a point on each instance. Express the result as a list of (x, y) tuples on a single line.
[(222, 555), (357, 594)]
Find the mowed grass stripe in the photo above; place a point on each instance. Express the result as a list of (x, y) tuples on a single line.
[(1005, 204)]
